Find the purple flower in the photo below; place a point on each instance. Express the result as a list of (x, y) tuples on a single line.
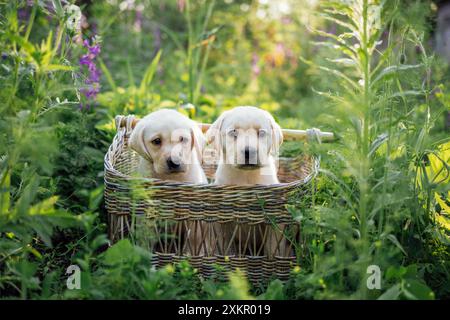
[(84, 60), (23, 14), (95, 49), (93, 77), (91, 91)]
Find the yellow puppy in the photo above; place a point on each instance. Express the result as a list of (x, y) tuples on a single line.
[(247, 140), (170, 145)]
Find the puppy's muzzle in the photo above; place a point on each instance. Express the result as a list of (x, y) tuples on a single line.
[(250, 157), (174, 165)]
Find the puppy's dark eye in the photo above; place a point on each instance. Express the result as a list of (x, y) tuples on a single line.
[(183, 139), (262, 133), (233, 133), (156, 141)]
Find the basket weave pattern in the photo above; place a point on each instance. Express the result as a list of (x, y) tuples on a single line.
[(230, 226)]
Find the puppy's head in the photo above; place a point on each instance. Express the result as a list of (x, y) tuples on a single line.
[(245, 137), (167, 140)]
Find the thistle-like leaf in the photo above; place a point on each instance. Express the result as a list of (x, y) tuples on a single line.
[(393, 70)]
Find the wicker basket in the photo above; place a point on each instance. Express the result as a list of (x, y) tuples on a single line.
[(232, 223)]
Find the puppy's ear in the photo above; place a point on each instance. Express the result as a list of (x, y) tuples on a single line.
[(277, 135), (136, 141), (198, 140), (214, 132)]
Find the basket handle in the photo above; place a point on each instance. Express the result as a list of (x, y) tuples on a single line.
[(289, 134), (125, 122)]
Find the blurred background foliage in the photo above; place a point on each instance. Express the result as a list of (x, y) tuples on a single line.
[(363, 69)]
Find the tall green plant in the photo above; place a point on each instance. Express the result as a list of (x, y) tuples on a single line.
[(32, 75), (373, 83)]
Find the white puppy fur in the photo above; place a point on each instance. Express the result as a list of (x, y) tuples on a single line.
[(247, 140), (170, 146)]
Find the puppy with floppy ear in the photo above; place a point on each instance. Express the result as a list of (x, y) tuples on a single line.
[(170, 146), (247, 140)]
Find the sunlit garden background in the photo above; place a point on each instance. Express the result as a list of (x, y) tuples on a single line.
[(373, 72)]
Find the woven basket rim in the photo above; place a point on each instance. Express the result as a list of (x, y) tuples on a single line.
[(111, 173), (170, 183)]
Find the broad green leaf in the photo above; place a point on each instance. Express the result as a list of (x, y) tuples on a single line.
[(121, 252), (394, 272), (44, 207), (416, 290), (95, 198)]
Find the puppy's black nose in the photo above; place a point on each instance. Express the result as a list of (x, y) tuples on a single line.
[(172, 165), (249, 156)]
